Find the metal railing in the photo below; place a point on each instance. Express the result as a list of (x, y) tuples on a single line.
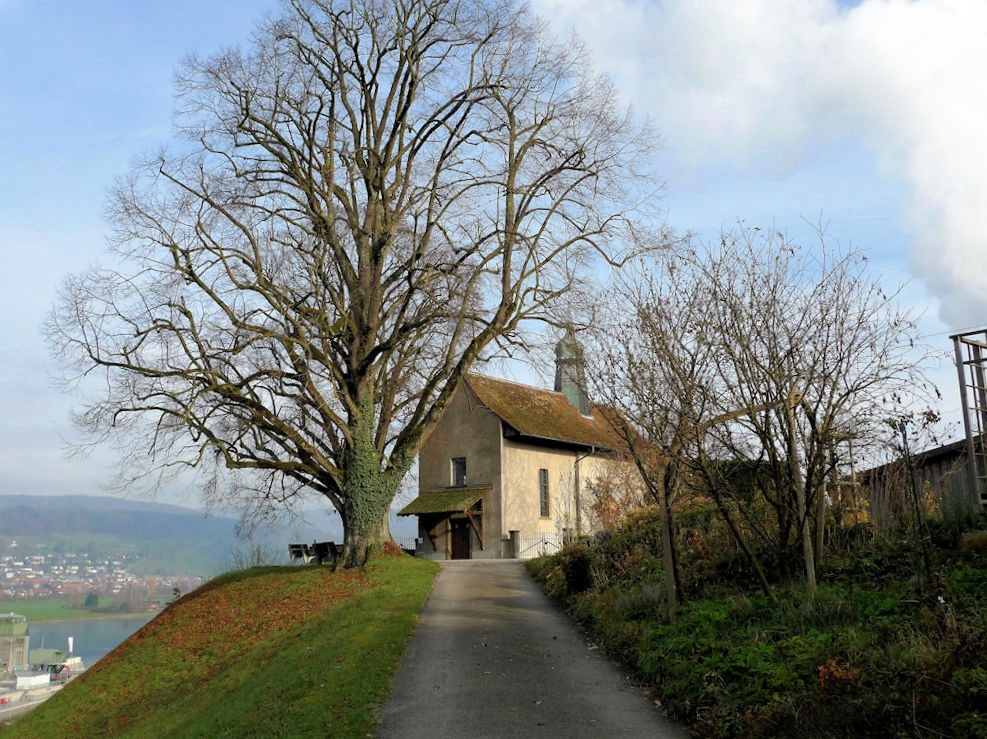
[(538, 545)]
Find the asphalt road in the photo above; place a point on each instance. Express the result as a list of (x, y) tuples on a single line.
[(36, 698), (493, 657)]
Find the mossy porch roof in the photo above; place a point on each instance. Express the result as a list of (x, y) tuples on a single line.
[(447, 500), (544, 414)]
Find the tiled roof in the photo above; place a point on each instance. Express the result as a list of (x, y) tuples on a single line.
[(544, 414), (447, 500)]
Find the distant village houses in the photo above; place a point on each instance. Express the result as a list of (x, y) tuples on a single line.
[(41, 573)]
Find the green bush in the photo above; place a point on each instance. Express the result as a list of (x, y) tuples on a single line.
[(867, 653), (630, 554), (575, 561), (974, 543)]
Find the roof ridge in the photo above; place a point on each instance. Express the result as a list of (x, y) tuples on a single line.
[(513, 382)]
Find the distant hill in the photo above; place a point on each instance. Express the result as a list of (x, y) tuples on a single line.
[(168, 539), (33, 516), (166, 536), (94, 502)]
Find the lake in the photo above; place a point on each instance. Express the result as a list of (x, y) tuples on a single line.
[(93, 638)]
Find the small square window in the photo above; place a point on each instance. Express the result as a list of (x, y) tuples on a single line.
[(459, 472)]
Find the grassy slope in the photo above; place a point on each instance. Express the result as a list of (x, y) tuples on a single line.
[(269, 652)]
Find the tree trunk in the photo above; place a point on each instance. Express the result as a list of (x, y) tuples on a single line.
[(762, 580), (798, 483), (367, 494), (667, 553), (820, 542), (713, 491), (671, 487), (365, 536)]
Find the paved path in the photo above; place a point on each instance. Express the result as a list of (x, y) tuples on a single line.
[(492, 657)]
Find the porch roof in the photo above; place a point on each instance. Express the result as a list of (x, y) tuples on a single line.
[(446, 500)]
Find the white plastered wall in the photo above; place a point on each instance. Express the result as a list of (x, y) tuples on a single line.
[(521, 494)]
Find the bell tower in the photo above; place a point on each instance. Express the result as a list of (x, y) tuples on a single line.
[(570, 372)]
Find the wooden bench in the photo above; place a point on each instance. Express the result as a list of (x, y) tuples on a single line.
[(298, 552), (319, 551), (325, 551)]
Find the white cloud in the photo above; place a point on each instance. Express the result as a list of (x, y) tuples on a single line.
[(766, 85)]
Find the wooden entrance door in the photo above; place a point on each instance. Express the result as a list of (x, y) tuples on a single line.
[(460, 538)]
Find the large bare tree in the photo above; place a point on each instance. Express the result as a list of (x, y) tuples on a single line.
[(820, 354), (752, 364), (653, 365), (369, 199), (657, 365)]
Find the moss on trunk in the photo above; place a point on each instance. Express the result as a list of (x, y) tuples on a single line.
[(369, 485)]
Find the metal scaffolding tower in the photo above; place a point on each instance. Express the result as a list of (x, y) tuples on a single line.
[(971, 368)]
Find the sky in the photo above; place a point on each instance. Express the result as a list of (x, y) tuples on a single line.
[(867, 118)]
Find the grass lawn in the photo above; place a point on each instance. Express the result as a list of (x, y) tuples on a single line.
[(266, 652), (46, 610)]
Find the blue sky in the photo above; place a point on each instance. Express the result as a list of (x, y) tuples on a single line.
[(868, 117)]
